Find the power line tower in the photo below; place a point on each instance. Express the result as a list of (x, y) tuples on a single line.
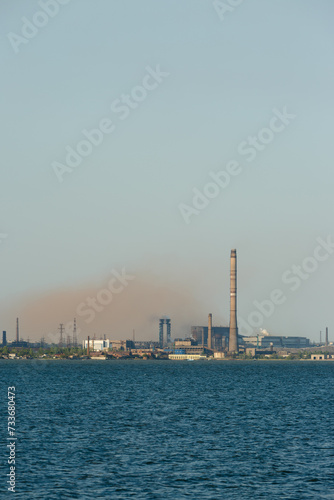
[(68, 342), (75, 338), (61, 330)]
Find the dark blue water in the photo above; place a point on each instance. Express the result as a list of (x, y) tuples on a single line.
[(171, 430)]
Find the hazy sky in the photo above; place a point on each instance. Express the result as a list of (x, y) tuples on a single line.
[(179, 91)]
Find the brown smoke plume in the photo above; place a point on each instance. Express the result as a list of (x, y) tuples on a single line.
[(138, 306)]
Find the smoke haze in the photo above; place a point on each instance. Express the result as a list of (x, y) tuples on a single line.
[(138, 306)]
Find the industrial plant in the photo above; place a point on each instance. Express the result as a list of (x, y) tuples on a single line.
[(225, 342), (203, 342)]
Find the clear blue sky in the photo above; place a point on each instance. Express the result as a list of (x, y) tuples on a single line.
[(120, 206)]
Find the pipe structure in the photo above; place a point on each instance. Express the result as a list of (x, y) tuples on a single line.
[(17, 330), (233, 336), (210, 331), (88, 347), (327, 336)]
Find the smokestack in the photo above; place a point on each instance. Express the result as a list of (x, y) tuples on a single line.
[(233, 338), (88, 347), (17, 330), (210, 331), (4, 338), (327, 336)]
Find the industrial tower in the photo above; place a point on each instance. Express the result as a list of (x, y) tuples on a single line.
[(162, 322), (75, 338)]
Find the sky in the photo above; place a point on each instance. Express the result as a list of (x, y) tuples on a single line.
[(146, 140)]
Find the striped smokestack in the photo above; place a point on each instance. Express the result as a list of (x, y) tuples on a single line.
[(233, 337), (210, 331)]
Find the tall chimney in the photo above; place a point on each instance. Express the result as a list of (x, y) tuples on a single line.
[(210, 331), (327, 336), (17, 330), (233, 338), (88, 347)]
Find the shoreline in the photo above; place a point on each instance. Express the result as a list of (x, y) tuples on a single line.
[(170, 360)]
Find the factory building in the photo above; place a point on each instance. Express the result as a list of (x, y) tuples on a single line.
[(266, 341), (219, 336), (106, 344), (183, 349), (122, 345), (97, 344)]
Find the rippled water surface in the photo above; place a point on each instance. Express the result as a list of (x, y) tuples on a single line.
[(172, 430)]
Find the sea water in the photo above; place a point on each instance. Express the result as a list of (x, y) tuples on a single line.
[(170, 429)]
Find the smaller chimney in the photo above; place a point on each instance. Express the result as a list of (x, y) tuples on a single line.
[(4, 338), (327, 336), (88, 347), (17, 330)]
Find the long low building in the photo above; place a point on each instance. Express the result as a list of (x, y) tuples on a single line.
[(184, 357), (265, 341), (106, 344)]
